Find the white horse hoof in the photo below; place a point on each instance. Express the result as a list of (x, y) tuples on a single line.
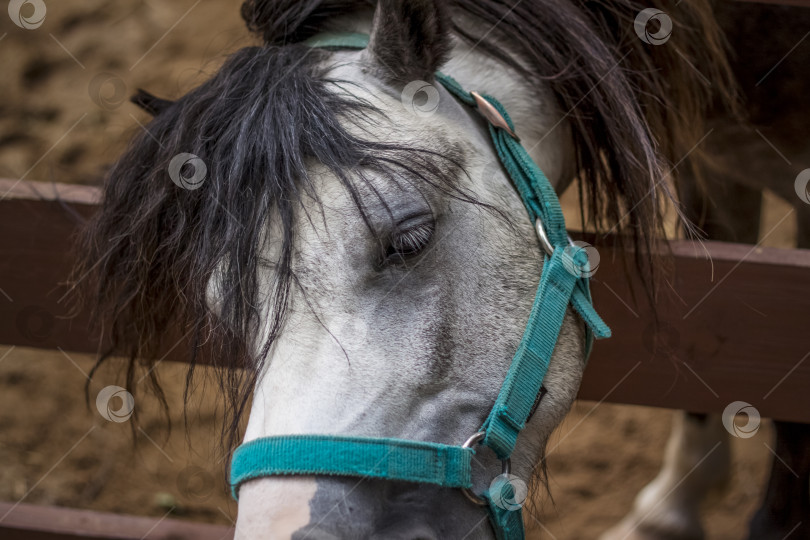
[(631, 529)]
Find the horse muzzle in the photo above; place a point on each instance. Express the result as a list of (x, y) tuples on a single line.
[(330, 508)]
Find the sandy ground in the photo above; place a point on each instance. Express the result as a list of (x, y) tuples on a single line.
[(56, 450), (58, 122), (65, 112)]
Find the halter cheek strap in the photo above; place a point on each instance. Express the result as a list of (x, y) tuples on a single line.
[(563, 282)]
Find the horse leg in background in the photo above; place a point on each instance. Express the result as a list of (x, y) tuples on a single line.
[(785, 510), (729, 210), (772, 108), (668, 508)]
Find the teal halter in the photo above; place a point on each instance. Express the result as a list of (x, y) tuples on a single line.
[(563, 281)]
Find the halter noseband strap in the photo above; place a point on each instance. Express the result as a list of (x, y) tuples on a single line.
[(563, 281)]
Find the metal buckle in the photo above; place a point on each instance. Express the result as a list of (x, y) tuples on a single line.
[(492, 115), (506, 468)]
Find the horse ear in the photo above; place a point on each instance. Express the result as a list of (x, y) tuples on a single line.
[(409, 39), (151, 104)]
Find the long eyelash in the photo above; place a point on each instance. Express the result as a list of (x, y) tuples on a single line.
[(414, 239)]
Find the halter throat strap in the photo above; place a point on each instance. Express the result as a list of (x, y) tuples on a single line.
[(563, 282)]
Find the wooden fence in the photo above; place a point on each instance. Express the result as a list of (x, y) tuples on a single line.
[(734, 323), (734, 327), (33, 522)]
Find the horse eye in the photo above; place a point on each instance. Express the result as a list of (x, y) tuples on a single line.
[(409, 242)]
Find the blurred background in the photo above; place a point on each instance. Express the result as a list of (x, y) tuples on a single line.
[(65, 116)]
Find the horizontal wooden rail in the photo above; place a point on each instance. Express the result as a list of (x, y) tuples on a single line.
[(733, 321), (797, 3), (733, 327), (32, 522)]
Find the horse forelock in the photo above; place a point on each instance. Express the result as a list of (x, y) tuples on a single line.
[(258, 125)]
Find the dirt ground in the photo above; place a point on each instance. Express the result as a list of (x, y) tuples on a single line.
[(54, 450), (58, 121)]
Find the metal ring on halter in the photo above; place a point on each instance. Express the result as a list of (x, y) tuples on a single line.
[(544, 241), (506, 465)]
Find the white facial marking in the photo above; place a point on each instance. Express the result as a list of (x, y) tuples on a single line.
[(283, 502)]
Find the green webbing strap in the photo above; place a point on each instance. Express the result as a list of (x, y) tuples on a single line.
[(507, 524), (535, 190), (525, 376), (338, 40), (390, 459), (443, 465), (559, 287), (540, 200)]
